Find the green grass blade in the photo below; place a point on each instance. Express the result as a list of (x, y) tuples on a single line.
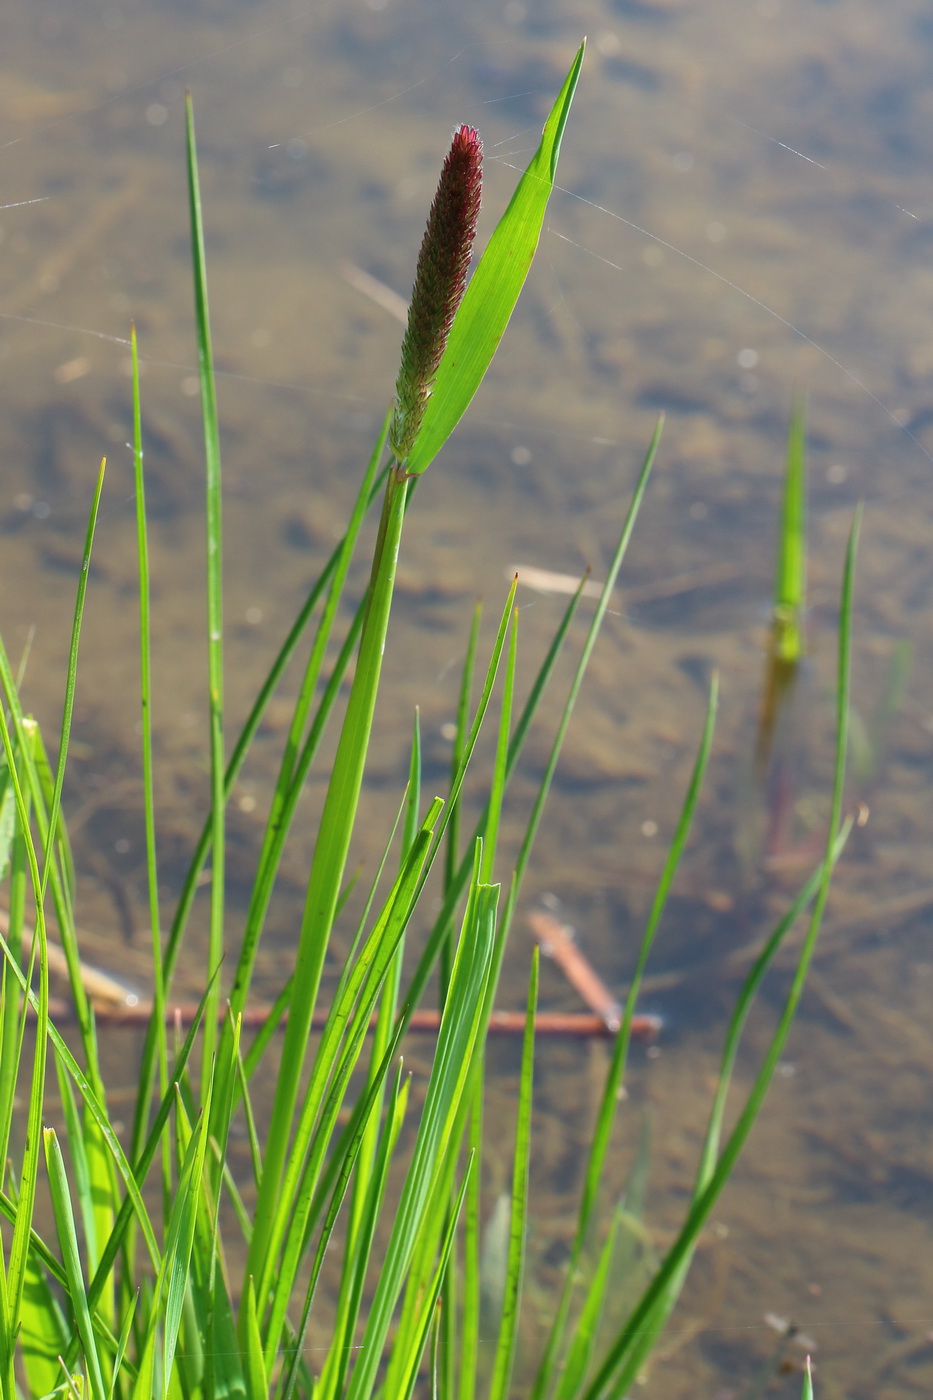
[(625, 1355), (494, 287), (328, 863), (123, 1341), (440, 931), (26, 1196), (176, 1263), (297, 758), (518, 1221), (346, 1164), (427, 1314), (43, 1334), (460, 1348), (360, 1246), (790, 585), (341, 1043), (452, 856), (807, 1393), (145, 687), (68, 707), (85, 1088), (215, 643), (68, 1240), (12, 1008), (460, 1034)]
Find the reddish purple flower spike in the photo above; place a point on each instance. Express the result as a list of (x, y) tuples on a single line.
[(440, 281)]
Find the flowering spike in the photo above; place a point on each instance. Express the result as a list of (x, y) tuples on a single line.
[(440, 281)]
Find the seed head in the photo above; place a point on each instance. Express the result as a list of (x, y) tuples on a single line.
[(440, 281)]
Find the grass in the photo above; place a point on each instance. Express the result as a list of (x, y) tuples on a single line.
[(137, 1265)]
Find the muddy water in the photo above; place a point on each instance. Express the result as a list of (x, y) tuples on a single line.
[(747, 207)]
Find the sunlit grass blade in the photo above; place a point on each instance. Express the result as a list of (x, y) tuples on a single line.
[(70, 678), (215, 639), (143, 1161), (123, 1342), (790, 587), (92, 1183), (452, 856), (345, 1166), (15, 1279), (460, 1033), (341, 1043), (360, 1244), (518, 1221), (68, 1240), (179, 1242), (12, 1006), (493, 289), (329, 860), (254, 1358), (297, 756), (462, 1299), (427, 1314), (158, 1030), (46, 806), (44, 1333)]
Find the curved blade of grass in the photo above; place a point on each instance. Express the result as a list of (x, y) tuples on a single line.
[(359, 1248), (68, 1241), (622, 1361), (460, 1351), (460, 1035), (451, 858), (14, 1282), (431, 1294), (43, 1334), (143, 1162), (158, 1027), (179, 1243), (518, 1221), (493, 290), (215, 637), (328, 863), (341, 1043), (47, 806), (12, 1008), (371, 1102)]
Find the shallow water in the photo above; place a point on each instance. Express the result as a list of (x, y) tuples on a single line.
[(746, 205)]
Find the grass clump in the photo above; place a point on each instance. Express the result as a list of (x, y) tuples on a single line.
[(137, 1266)]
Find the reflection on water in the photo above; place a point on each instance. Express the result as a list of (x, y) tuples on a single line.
[(747, 206)]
